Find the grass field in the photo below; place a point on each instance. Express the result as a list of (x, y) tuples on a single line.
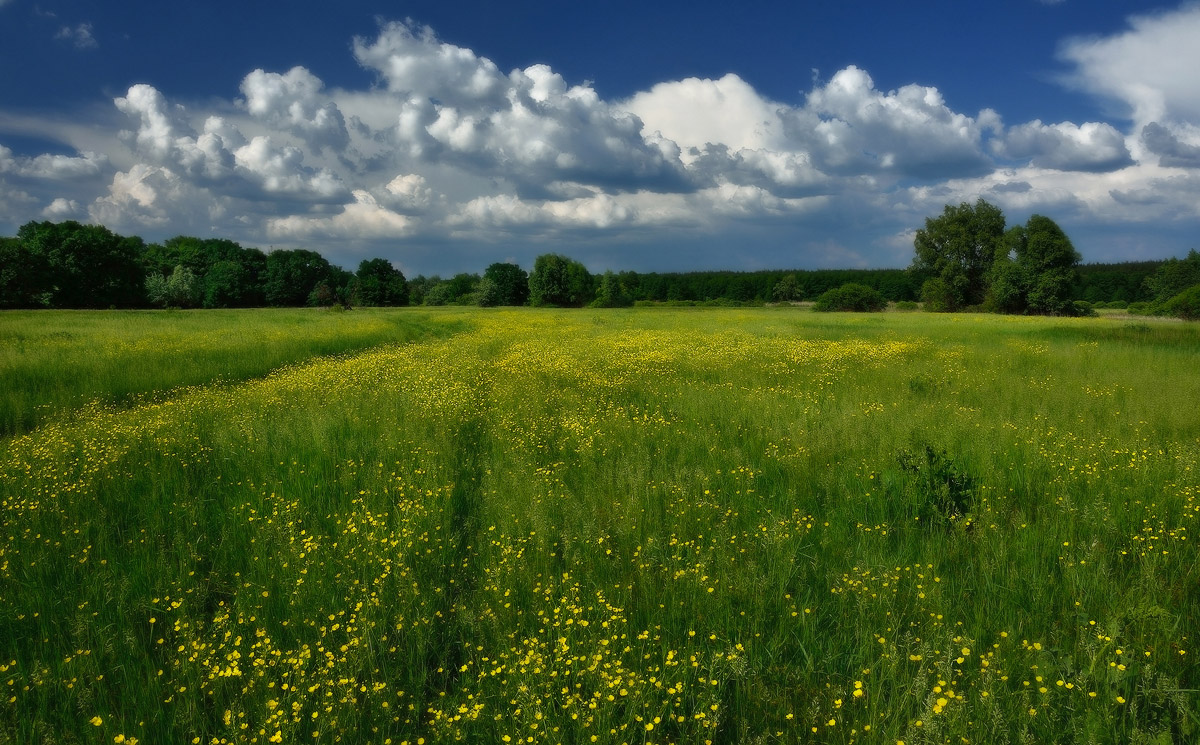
[(651, 525)]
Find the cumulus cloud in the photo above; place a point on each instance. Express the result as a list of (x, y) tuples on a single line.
[(445, 145), (414, 62), (1149, 68), (281, 170), (1092, 146), (409, 192), (63, 209), (52, 167), (293, 102), (363, 218), (694, 113), (1171, 147), (155, 197), (852, 127)]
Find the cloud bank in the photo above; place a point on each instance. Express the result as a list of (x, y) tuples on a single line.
[(442, 161)]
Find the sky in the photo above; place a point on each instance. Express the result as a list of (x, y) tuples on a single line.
[(663, 136)]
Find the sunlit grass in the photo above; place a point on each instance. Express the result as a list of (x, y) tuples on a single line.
[(56, 361), (634, 526)]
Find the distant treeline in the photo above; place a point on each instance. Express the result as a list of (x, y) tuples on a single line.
[(70, 265)]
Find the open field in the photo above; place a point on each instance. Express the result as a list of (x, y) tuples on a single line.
[(651, 525)]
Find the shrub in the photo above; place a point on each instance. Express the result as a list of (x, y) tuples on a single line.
[(1117, 304), (1185, 305), (1139, 309), (851, 297), (1082, 308), (907, 305)]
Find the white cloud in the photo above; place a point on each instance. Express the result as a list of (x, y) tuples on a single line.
[(281, 170), (1092, 146), (446, 147), (63, 209), (852, 127), (1150, 68), (694, 113), (409, 193), (149, 196), (414, 62), (81, 36), (364, 218), (52, 167), (292, 102)]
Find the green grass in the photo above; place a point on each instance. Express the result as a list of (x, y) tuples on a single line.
[(55, 361), (649, 525)]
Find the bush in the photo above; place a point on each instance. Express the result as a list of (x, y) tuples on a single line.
[(1185, 305), (1083, 308), (851, 297), (1139, 309), (1117, 304), (907, 305)]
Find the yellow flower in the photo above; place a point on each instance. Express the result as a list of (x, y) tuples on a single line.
[(97, 721)]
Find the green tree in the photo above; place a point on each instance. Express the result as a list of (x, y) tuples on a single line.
[(560, 281), (851, 296), (88, 266), (24, 276), (511, 283), (230, 284), (1173, 277), (787, 289), (380, 283), (291, 276), (959, 248), (611, 294), (179, 290), (1035, 270)]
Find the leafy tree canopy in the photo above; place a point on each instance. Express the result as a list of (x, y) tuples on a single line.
[(959, 248)]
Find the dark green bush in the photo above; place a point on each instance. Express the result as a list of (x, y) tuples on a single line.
[(1185, 305), (907, 305), (851, 297)]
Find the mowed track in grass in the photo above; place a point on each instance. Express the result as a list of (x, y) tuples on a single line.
[(633, 526)]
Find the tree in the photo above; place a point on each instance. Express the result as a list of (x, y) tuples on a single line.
[(1173, 277), (24, 276), (851, 296), (88, 266), (787, 289), (292, 275), (557, 280), (611, 294), (959, 248), (230, 284), (1034, 270), (180, 290), (511, 283), (380, 283)]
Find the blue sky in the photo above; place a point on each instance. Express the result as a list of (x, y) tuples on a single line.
[(648, 136)]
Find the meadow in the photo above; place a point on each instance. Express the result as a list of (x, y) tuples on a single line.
[(620, 526)]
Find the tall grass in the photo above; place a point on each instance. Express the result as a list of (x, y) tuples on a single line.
[(624, 526), (56, 361)]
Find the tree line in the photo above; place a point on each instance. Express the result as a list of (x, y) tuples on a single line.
[(72, 265), (969, 259)]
